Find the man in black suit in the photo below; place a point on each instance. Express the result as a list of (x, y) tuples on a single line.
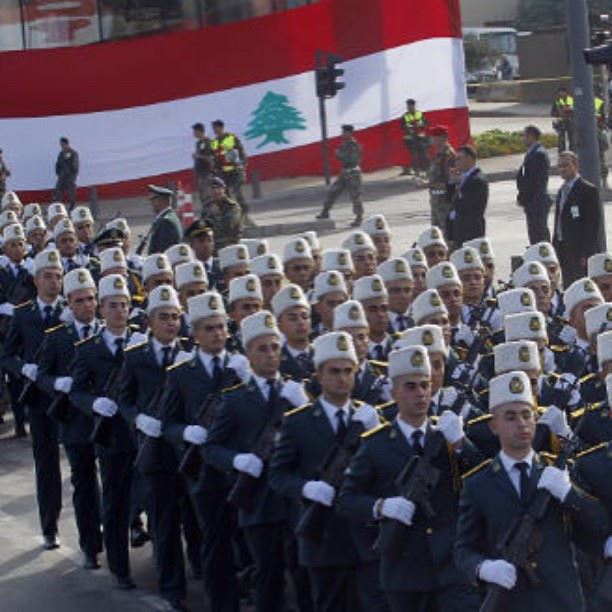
[(166, 229), (532, 183), (466, 218), (579, 221)]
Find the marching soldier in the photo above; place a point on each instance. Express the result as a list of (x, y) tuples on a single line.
[(349, 155), (600, 271), (178, 254), (414, 127), (341, 261), (503, 490), (440, 176), (166, 228), (66, 170), (484, 248), (36, 235), (55, 213), (269, 270), (418, 268), (23, 348), (431, 242), (201, 238), (67, 244), (377, 228), (83, 222), (298, 263), (4, 174), (398, 281), (363, 253), (223, 214), (202, 160), (545, 253)]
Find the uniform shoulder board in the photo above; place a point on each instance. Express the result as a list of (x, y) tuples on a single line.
[(576, 414), (385, 405), (135, 346), (480, 419), (476, 469), (550, 458), (54, 328), (84, 340), (372, 432), (483, 392), (559, 348), (586, 378), (297, 410), (24, 304), (134, 326), (358, 402), (178, 364), (541, 409), (383, 365), (593, 449), (233, 387)]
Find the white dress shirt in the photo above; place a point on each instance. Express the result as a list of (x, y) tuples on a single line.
[(331, 411), (42, 305), (262, 383), (407, 429), (158, 349), (514, 474), (207, 360), (109, 340)]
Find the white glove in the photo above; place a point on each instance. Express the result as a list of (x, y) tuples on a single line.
[(566, 380), (30, 370), (319, 491), (498, 572), (63, 384), (148, 425), (366, 415), (568, 335), (556, 420), (194, 434), (465, 334), (461, 370), (105, 407), (249, 464), (399, 509), (7, 309), (240, 364), (450, 425), (608, 548), (294, 393), (556, 481)]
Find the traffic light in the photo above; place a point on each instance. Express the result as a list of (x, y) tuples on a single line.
[(598, 55), (326, 76)]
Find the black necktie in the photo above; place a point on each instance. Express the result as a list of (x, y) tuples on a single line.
[(303, 360), (401, 323), (341, 428), (85, 331), (166, 357), (379, 352), (47, 319), (119, 342), (217, 372), (523, 468), (71, 265), (18, 269), (272, 393), (417, 444)]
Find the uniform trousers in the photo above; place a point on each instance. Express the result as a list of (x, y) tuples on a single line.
[(353, 184), (455, 598), (537, 224), (234, 182)]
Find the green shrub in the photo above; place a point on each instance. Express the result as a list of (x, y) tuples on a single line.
[(494, 143)]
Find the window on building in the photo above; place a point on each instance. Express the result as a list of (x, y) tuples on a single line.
[(10, 25)]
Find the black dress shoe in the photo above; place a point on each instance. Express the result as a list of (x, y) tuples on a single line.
[(138, 537), (51, 542), (20, 431), (322, 215), (91, 562), (124, 583), (356, 222)]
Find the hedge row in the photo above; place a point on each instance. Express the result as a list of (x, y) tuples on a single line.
[(494, 143)]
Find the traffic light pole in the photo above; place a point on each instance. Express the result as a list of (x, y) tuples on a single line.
[(323, 122), (582, 81)]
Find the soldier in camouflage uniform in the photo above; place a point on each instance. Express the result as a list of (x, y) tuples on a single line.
[(4, 174), (439, 177), (224, 214), (202, 161), (349, 154)]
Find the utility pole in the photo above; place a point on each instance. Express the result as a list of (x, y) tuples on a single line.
[(582, 81)]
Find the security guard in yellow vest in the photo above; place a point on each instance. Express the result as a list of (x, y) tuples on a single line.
[(230, 164), (562, 112), (414, 126)]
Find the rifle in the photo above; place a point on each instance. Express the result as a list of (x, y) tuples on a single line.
[(415, 482), (58, 408), (191, 462), (331, 470), (148, 456), (522, 540), (26, 391), (102, 430)]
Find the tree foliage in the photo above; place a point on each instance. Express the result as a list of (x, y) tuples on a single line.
[(478, 53)]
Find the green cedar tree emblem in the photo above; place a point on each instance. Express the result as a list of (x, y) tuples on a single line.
[(272, 118)]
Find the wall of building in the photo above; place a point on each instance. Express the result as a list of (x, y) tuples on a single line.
[(481, 13)]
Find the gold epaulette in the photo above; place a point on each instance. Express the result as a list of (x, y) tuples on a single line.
[(23, 304), (541, 409), (434, 418), (297, 410), (379, 364), (589, 408), (588, 451), (358, 402), (54, 328), (480, 419), (232, 388), (134, 346), (559, 348), (549, 457), (134, 326), (375, 430), (483, 392), (476, 469), (178, 364), (587, 378), (84, 340), (385, 405)]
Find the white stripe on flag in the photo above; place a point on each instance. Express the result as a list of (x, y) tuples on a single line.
[(145, 141)]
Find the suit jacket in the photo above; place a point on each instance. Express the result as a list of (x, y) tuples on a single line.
[(426, 562), (489, 503), (166, 231), (469, 206), (532, 179), (582, 221)]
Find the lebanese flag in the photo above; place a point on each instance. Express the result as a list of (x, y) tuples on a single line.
[(127, 106)]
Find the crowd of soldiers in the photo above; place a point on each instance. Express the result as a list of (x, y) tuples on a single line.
[(330, 430)]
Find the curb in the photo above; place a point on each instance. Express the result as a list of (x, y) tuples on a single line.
[(282, 229)]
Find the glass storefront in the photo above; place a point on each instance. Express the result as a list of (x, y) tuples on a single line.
[(40, 24)]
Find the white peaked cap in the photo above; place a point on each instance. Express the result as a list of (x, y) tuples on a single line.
[(80, 278), (63, 226), (113, 285), (155, 264), (49, 258), (432, 235), (35, 223), (466, 258), (190, 272), (530, 272), (265, 265), (525, 326), (233, 255), (544, 252), (519, 355), (409, 360), (334, 345), (483, 246), (358, 241), (509, 388), (337, 259), (261, 323), (14, 231), (376, 225), (599, 264), (579, 291), (427, 304), (329, 282), (179, 253), (81, 214), (209, 304), (396, 268), (247, 286), (119, 223), (56, 209), (288, 297), (164, 296), (10, 198), (429, 336), (349, 314), (29, 210), (598, 319), (416, 258), (296, 248), (442, 274), (514, 301), (7, 217), (255, 246), (604, 348), (112, 257), (369, 287), (313, 240)]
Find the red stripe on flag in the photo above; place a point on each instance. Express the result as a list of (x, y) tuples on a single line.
[(382, 147), (159, 68)]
